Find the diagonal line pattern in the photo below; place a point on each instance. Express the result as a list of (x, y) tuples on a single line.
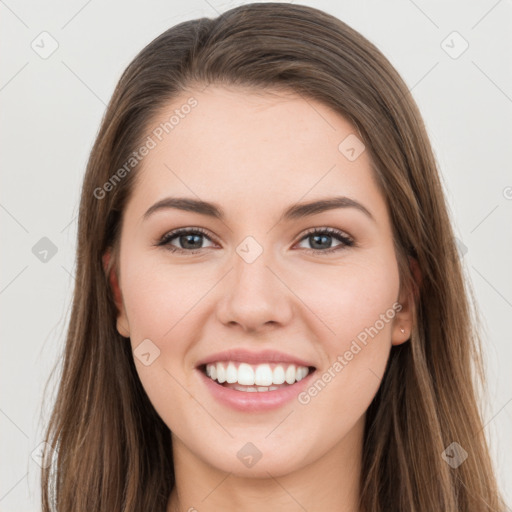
[(488, 507), (424, 14), (169, 168), (83, 82), (485, 15), (301, 300), (480, 274), (212, 7), (304, 195), (306, 100), (280, 423), (13, 13), (197, 302), (13, 279), (76, 14), (199, 403), (68, 272), (13, 218), (494, 417), (484, 218), (14, 486), (284, 489), (217, 486), (378, 378), (13, 423), (420, 80), (14, 76), (68, 224), (492, 81)]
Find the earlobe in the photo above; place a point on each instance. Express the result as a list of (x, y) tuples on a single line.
[(122, 321), (405, 317), (122, 326), (403, 323)]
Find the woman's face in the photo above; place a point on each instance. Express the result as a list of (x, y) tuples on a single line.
[(255, 281)]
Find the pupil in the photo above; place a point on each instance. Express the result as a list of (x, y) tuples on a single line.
[(324, 237), (319, 241), (187, 237)]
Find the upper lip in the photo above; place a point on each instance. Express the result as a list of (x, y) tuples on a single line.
[(246, 356)]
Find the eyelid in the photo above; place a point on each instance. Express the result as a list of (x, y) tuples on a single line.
[(329, 230), (185, 230), (344, 238)]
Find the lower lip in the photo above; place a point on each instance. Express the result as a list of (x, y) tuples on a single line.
[(248, 401)]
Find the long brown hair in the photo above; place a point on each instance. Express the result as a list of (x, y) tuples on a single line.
[(112, 450)]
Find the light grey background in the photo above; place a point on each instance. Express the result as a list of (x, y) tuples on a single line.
[(50, 113)]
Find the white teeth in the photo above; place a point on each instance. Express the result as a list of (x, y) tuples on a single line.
[(258, 389), (301, 373), (278, 377), (260, 377), (231, 374), (221, 373), (245, 374), (263, 376), (290, 374)]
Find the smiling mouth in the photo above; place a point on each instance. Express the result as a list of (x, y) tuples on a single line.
[(255, 378)]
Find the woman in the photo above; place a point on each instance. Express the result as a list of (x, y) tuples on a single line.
[(269, 308)]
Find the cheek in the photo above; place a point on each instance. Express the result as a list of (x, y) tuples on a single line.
[(159, 301), (350, 298), (357, 306), (157, 296)]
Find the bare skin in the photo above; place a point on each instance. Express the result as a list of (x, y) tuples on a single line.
[(255, 155)]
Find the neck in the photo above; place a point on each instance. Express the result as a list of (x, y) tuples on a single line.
[(331, 483)]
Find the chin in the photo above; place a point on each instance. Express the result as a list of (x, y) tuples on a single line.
[(258, 460)]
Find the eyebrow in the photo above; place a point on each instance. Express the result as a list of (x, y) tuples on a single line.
[(294, 212)]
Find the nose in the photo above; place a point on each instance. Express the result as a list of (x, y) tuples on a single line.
[(254, 296)]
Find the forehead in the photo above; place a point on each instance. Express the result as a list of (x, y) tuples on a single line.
[(253, 148)]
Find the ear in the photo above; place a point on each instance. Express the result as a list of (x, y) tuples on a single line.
[(122, 319), (405, 317)]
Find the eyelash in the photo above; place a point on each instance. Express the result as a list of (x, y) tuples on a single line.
[(335, 233)]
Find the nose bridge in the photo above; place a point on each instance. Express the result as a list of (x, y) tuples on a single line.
[(251, 275), (251, 262), (253, 295)]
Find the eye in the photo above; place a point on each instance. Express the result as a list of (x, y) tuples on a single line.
[(320, 238), (189, 238)]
